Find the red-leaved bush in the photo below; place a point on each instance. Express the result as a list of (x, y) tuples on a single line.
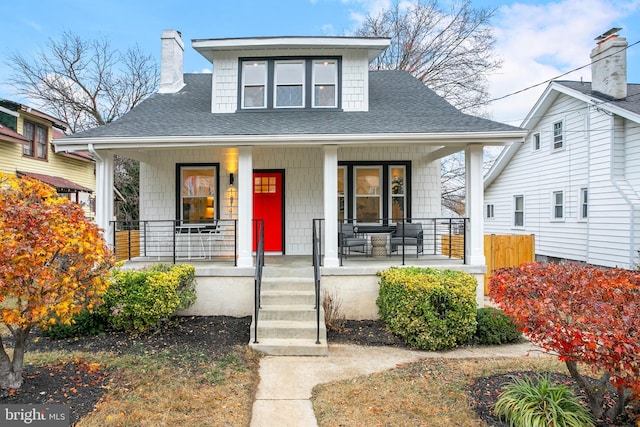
[(586, 315)]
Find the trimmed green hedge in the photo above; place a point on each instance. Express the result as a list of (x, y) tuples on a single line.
[(495, 328), (430, 309)]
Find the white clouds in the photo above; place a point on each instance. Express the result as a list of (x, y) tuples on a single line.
[(539, 42)]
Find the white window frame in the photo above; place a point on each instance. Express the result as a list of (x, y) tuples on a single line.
[(392, 196), (489, 211), (555, 205), (584, 203), (303, 82), (314, 82), (557, 138), (246, 64), (515, 211), (536, 142), (357, 196)]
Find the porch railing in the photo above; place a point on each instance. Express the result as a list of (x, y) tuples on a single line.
[(317, 245), (175, 240), (403, 238), (257, 280)]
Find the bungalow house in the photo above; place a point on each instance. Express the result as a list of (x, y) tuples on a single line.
[(294, 131), (575, 182), (25, 149)]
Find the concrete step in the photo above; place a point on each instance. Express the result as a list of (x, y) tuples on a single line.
[(288, 298), (290, 312), (288, 284), (288, 329), (291, 347)]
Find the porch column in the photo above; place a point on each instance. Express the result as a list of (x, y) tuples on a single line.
[(104, 192), (330, 188), (245, 207), (474, 207)]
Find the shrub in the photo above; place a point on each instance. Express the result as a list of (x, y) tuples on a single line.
[(334, 317), (84, 323), (585, 314), (524, 403), (138, 300), (430, 309), (495, 327)]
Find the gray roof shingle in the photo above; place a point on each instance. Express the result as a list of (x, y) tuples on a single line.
[(630, 103), (398, 103)]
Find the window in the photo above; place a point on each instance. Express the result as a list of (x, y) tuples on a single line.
[(341, 193), (37, 136), (558, 136), (489, 211), (325, 81), (368, 195), (518, 211), (289, 84), (398, 194), (584, 203), (558, 205), (535, 141), (254, 84), (197, 188), (283, 83)]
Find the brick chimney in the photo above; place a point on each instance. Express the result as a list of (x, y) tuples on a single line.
[(171, 75), (609, 65)]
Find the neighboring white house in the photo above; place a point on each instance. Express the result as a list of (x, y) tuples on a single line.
[(575, 181), (303, 121)]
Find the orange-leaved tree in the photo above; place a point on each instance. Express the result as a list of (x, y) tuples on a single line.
[(53, 263), (585, 314)]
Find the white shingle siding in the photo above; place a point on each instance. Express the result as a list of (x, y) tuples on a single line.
[(355, 76), (303, 182), (610, 171)]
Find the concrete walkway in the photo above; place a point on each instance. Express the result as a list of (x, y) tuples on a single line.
[(284, 392)]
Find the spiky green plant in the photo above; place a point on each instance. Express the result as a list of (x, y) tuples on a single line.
[(525, 403)]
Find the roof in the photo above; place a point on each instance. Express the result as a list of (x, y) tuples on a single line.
[(628, 107), (8, 134), (62, 185), (15, 106), (399, 104)]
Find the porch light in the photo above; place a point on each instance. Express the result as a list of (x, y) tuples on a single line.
[(231, 179)]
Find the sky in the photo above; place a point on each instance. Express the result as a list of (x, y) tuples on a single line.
[(536, 40)]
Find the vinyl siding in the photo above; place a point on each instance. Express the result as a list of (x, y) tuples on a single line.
[(590, 159)]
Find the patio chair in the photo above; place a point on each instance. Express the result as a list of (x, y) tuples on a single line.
[(347, 239), (407, 234), (214, 234)]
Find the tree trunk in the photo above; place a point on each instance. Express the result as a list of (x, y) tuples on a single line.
[(595, 393), (11, 368)]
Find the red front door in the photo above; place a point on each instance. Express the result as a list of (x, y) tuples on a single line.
[(268, 204)]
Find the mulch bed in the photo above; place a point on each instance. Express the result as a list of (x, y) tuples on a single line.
[(81, 385)]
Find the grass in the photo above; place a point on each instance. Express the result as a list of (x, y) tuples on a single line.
[(426, 393)]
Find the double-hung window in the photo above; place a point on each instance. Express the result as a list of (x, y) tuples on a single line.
[(518, 211), (368, 193), (489, 211), (558, 204), (289, 79), (254, 84), (325, 83), (584, 203), (197, 187), (558, 136), (535, 141), (37, 136)]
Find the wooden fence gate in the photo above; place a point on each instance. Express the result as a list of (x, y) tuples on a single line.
[(508, 250)]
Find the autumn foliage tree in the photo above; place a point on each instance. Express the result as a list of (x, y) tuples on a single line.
[(586, 315), (53, 263)]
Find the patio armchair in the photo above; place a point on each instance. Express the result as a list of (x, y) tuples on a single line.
[(348, 239), (407, 234)]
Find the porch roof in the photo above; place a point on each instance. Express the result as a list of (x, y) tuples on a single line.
[(401, 107)]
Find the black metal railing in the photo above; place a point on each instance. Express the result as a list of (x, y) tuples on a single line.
[(403, 237), (257, 278), (175, 240), (317, 245)]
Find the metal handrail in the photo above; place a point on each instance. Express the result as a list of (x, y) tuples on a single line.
[(317, 223), (257, 279)]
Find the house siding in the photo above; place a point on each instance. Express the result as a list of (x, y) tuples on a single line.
[(355, 76), (601, 153), (303, 172)]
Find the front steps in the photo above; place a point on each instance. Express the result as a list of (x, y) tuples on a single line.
[(287, 319)]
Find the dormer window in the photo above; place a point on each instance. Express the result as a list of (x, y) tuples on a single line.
[(286, 83), (325, 81), (289, 84)]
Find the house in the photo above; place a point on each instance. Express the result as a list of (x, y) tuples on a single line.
[(290, 130), (25, 149), (575, 181)]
